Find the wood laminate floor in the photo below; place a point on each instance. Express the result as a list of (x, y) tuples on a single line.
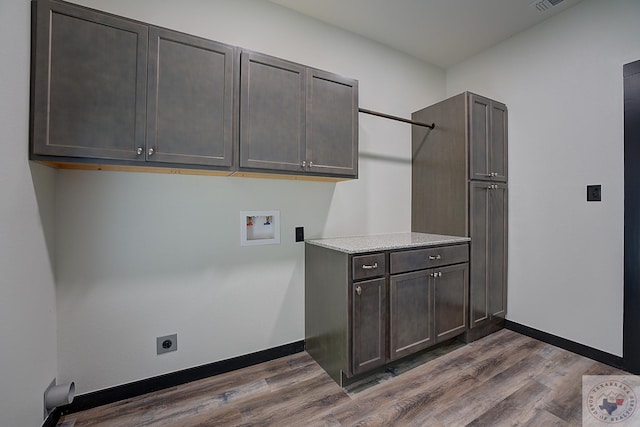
[(503, 379)]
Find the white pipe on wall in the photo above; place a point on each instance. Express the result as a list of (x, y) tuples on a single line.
[(59, 395)]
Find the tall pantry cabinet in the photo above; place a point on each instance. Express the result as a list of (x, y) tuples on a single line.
[(459, 187)]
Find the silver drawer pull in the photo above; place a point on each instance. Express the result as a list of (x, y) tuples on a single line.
[(358, 290), (431, 257), (370, 267)]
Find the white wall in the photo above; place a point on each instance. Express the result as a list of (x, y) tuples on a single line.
[(143, 255), (562, 82), (27, 294), (140, 255)]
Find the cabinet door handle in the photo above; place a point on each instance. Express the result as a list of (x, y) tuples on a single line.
[(370, 267), (432, 257), (436, 274), (151, 151), (310, 164), (139, 151), (358, 290)]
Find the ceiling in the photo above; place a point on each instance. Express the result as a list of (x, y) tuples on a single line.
[(440, 32)]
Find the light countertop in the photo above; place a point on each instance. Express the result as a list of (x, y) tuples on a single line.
[(384, 242)]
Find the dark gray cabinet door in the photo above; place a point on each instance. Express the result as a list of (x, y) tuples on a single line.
[(450, 290), (89, 87), (297, 119), (410, 313), (191, 100), (479, 137), (480, 243), (332, 124), (497, 263), (272, 113), (368, 324), (488, 277), (487, 139), (499, 136)]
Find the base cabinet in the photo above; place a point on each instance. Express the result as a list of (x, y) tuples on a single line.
[(368, 323), (411, 313), (363, 311), (427, 306), (450, 290)]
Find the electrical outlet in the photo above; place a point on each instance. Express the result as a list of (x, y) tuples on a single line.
[(594, 193), (167, 343), (299, 234)]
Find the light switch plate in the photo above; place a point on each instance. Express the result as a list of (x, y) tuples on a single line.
[(594, 193)]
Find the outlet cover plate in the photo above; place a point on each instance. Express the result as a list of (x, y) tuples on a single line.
[(594, 193), (167, 343)]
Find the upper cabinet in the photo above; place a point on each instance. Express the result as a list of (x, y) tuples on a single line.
[(107, 88), (488, 139), (110, 91), (190, 100), (272, 113), (297, 119), (89, 84), (332, 124)]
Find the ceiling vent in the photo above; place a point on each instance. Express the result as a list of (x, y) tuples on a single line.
[(544, 5)]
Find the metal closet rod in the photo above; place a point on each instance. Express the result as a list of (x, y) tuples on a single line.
[(400, 119)]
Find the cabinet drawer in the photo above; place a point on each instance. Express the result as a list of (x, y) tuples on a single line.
[(419, 259), (367, 266)]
